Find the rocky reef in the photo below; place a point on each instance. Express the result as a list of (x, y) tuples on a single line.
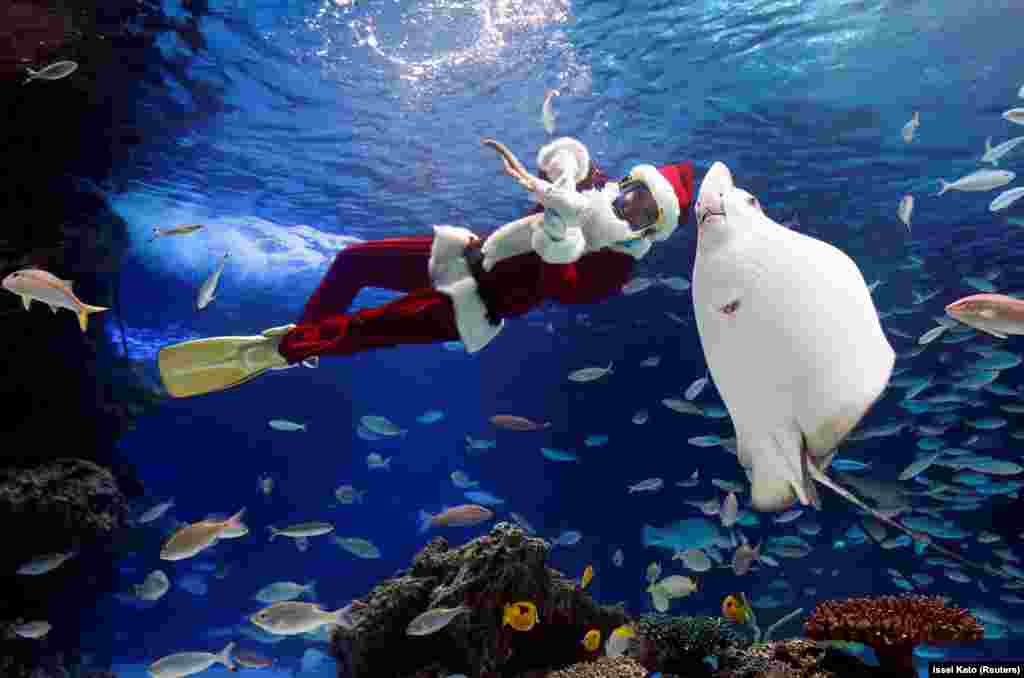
[(508, 566), (505, 566), (72, 506)]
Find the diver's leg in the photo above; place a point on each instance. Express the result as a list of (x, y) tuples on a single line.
[(424, 316), (398, 264)]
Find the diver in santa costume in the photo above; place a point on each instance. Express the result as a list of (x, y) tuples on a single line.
[(580, 246)]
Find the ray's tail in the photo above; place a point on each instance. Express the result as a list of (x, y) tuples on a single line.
[(820, 476)]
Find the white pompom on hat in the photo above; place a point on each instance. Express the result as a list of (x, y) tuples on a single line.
[(570, 150)]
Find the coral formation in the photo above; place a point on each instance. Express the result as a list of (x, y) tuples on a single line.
[(893, 625), (680, 644), (795, 658), (503, 567), (604, 667)]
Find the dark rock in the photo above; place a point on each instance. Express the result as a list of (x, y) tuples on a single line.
[(68, 393), (56, 507), (681, 644), (487, 573)]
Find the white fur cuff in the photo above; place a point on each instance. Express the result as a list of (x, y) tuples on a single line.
[(564, 251), (447, 263)]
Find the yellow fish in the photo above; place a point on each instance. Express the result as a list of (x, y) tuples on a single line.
[(520, 616), (588, 574), (736, 608), (619, 641), (592, 640)]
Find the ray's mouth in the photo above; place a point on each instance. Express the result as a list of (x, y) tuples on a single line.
[(707, 213)]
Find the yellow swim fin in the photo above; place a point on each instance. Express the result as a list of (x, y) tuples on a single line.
[(206, 365)]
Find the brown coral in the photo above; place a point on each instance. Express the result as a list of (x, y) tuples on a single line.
[(893, 625), (603, 667)]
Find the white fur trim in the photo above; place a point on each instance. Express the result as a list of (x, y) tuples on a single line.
[(510, 240), (664, 195), (475, 330), (446, 263), (564, 251), (548, 158), (450, 274)]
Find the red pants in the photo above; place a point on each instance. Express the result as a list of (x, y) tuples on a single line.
[(422, 316)]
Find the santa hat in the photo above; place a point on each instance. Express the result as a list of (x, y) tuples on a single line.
[(672, 188)]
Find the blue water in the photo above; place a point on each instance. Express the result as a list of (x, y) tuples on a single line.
[(303, 126)]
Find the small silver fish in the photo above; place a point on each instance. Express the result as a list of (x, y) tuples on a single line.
[(314, 529), (695, 388), (434, 620), (188, 663), (919, 465), (982, 180), (682, 406), (648, 485), (675, 283), (285, 425), (45, 563), (154, 586), (911, 127), (54, 71), (182, 229), (208, 290), (290, 618), (995, 154), (33, 629), (548, 114), (281, 591), (375, 461), (905, 209), (932, 334), (729, 511), (1006, 198), (156, 512), (589, 374), (744, 557), (357, 546), (382, 426)]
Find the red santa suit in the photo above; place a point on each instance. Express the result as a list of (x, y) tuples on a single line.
[(574, 255)]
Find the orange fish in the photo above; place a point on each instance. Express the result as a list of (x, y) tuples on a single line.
[(33, 284), (736, 608), (463, 515), (520, 616), (588, 574), (996, 314), (514, 423)]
